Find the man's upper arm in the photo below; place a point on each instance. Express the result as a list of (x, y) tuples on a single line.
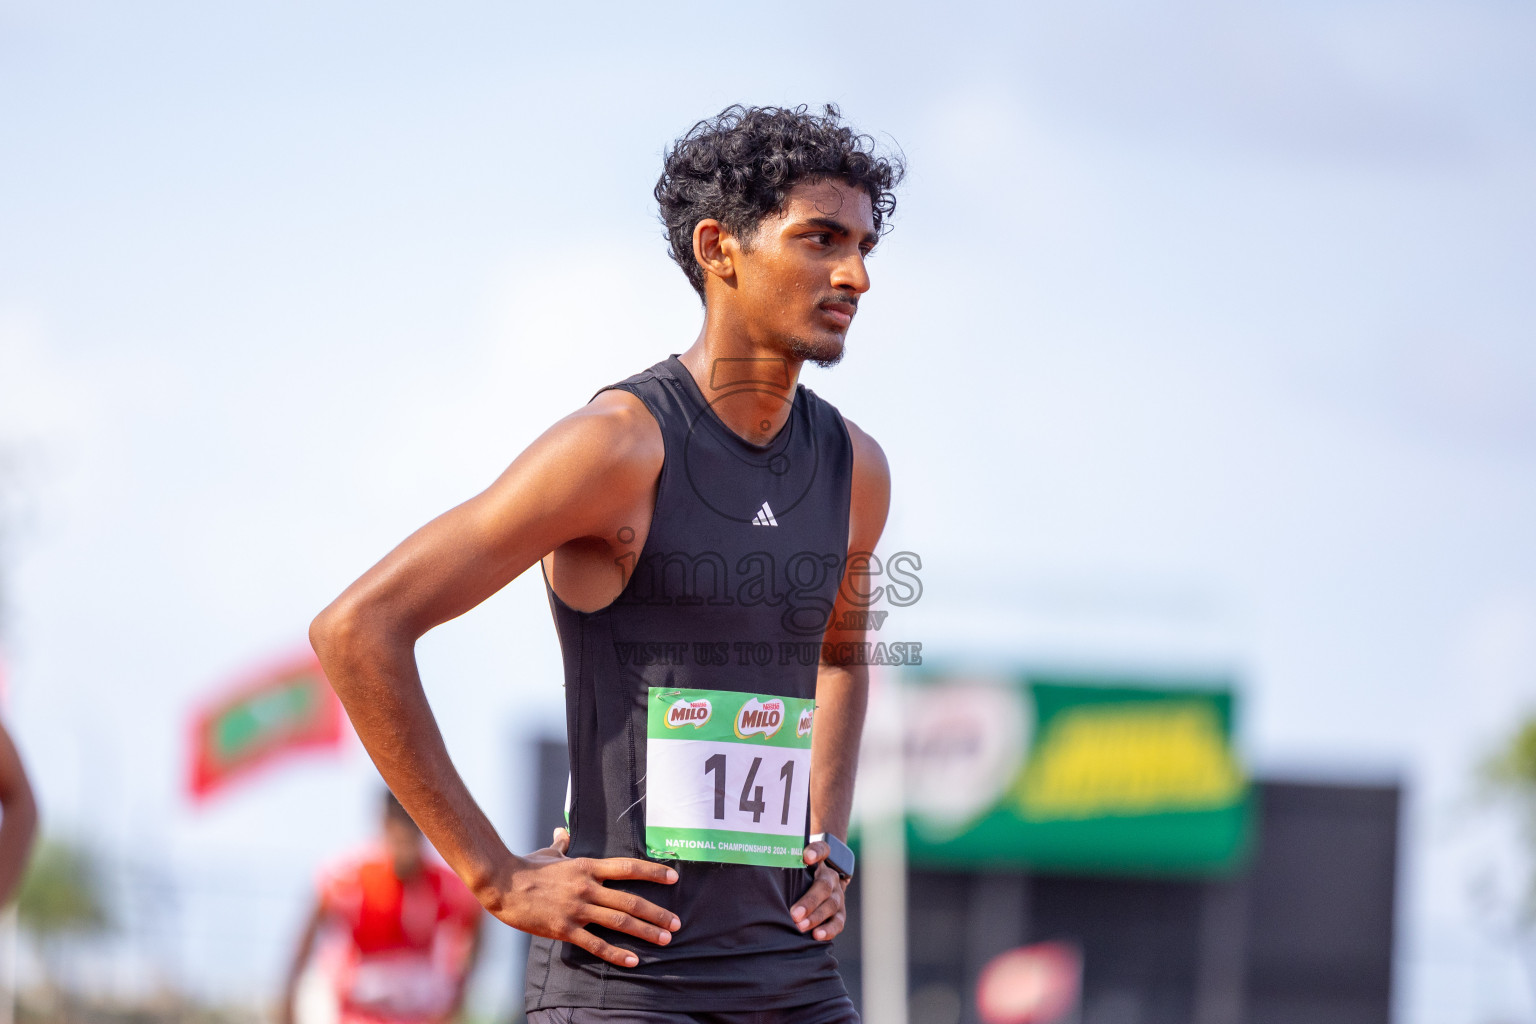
[(576, 480), (869, 504), (871, 493)]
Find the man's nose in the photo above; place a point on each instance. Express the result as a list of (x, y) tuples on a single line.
[(851, 275)]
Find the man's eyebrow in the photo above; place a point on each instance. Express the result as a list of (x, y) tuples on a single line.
[(870, 238)]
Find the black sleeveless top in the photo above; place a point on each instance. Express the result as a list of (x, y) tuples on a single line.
[(731, 591)]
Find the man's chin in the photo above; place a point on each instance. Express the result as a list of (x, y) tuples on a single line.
[(824, 352)]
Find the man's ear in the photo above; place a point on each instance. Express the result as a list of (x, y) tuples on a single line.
[(715, 248)]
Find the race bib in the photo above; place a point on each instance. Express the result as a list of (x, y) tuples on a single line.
[(406, 985), (727, 776)]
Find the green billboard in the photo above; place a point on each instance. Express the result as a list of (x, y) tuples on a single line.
[(1110, 776)]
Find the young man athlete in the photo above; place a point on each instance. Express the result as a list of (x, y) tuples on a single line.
[(699, 527)]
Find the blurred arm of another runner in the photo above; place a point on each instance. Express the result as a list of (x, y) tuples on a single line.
[(18, 827), (301, 955), (586, 479), (471, 958), (842, 693)]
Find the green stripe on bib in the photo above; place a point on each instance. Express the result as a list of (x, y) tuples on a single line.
[(724, 715), (724, 847)]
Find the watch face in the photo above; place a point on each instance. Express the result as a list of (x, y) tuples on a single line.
[(840, 857)]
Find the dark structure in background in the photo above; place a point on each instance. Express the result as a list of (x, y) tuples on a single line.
[(1303, 935)]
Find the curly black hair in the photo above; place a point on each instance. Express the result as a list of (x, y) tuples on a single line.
[(739, 166)]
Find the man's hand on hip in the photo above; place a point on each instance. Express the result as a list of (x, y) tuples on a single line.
[(547, 893), (823, 907)]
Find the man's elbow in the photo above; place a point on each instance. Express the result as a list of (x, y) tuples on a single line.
[(341, 636), (332, 628)]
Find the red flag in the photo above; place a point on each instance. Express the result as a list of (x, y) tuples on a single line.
[(282, 708)]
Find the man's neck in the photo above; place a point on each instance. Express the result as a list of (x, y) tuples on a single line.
[(751, 388)]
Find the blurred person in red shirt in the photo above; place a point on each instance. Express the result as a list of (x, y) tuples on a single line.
[(398, 933)]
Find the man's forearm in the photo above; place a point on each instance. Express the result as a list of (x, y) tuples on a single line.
[(842, 694), (461, 985), (376, 677), (301, 955), (371, 664)]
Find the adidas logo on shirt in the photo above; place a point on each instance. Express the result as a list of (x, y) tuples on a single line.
[(764, 517)]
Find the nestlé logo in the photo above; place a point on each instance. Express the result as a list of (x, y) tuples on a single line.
[(760, 718), (694, 713)]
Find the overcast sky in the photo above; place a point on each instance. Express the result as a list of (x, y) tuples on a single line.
[(1203, 338)]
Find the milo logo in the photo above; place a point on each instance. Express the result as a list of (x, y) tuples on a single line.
[(803, 727), (694, 713), (760, 718)]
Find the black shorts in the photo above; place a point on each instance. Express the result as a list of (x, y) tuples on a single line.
[(831, 1011)]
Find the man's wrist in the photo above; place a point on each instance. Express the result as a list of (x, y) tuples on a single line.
[(492, 883), (839, 858)]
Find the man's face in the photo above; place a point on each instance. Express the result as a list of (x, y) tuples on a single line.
[(799, 278), (403, 841)]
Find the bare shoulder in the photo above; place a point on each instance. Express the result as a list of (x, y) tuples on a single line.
[(588, 469), (870, 500), (621, 419), (612, 434), (869, 462)]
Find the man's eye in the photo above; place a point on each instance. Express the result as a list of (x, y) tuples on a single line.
[(821, 237)]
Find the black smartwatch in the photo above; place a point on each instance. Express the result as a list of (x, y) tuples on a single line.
[(840, 858)]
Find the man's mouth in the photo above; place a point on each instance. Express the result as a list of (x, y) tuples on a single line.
[(841, 312)]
